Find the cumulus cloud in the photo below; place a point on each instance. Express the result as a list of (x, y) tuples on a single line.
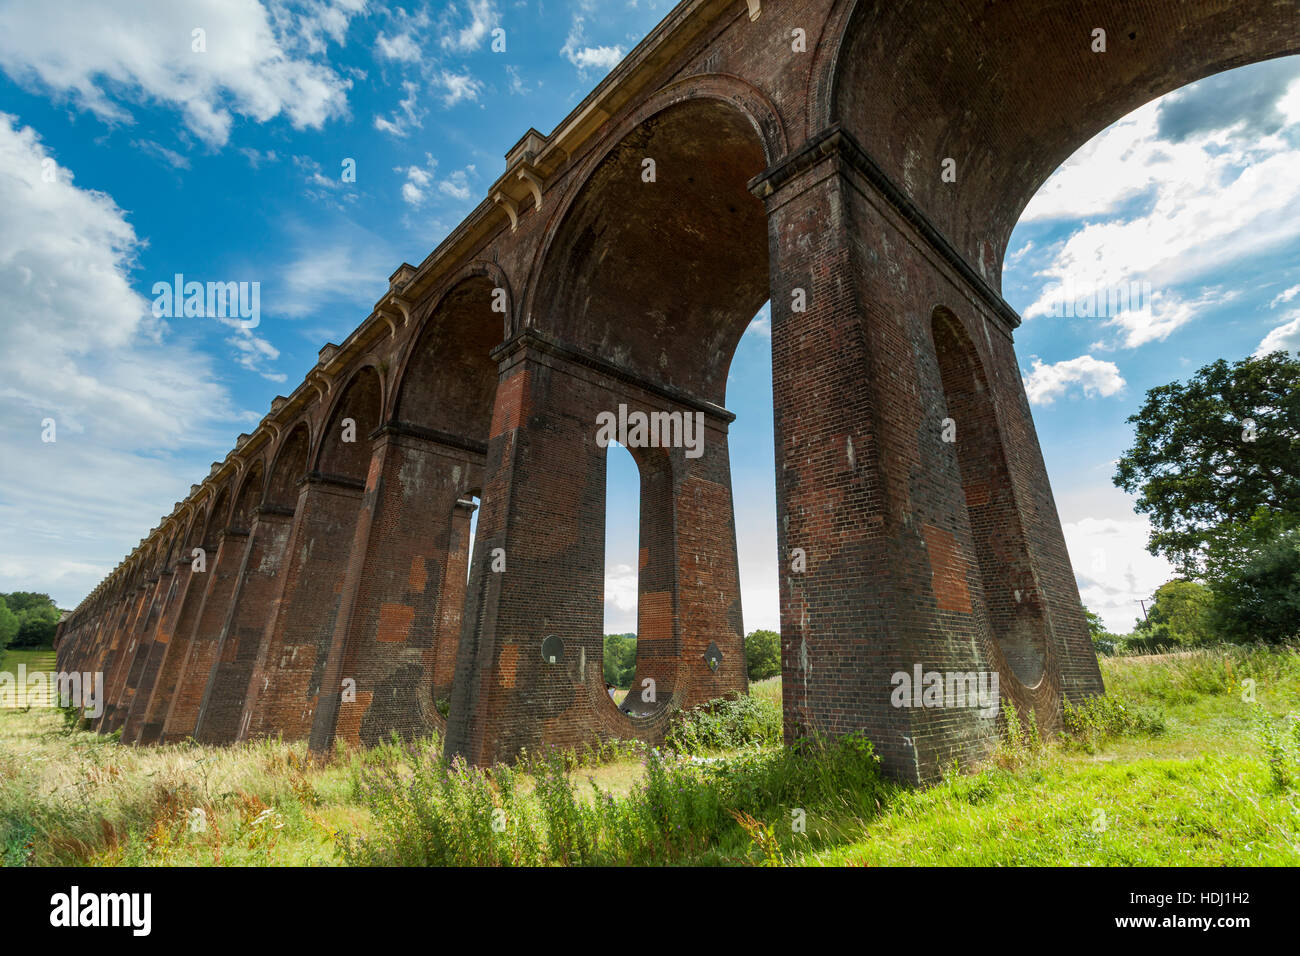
[(457, 87), (457, 184), (1285, 337), (416, 188), (401, 46), (466, 25), (586, 57), (108, 54), (1046, 383), (128, 396), (1166, 212)]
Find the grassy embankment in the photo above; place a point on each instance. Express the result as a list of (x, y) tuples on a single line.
[(1177, 767)]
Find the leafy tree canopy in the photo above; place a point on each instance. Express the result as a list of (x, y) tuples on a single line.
[(1211, 453), (1181, 613), (28, 619), (763, 654)]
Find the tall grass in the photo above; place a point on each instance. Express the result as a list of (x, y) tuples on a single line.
[(428, 812)]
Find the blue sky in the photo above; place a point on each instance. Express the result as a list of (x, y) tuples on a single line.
[(225, 164)]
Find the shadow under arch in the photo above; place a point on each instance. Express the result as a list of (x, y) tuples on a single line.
[(1014, 616), (662, 277)]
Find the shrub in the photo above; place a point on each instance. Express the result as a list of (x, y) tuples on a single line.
[(725, 724), (1100, 718)]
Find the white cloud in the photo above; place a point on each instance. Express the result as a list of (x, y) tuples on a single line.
[(141, 51), (312, 25), (1206, 201), (161, 152), (1113, 569), (458, 87), (465, 29), (1162, 315), (401, 47), (1046, 383), (406, 117), (343, 269), (457, 184), (415, 189), (138, 413), (1285, 337), (1284, 297), (602, 58), (252, 352)]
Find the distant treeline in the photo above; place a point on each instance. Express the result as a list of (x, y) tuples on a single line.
[(27, 619), (762, 657)]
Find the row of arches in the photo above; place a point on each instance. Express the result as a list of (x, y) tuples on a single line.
[(634, 291), (358, 513)]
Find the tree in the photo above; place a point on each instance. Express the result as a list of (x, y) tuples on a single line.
[(1209, 455), (1181, 614), (21, 601), (1103, 641), (36, 631), (37, 619), (9, 624), (620, 659), (763, 654), (1260, 600)]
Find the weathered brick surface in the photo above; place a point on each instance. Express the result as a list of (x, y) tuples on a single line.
[(201, 648), (227, 684), (810, 176)]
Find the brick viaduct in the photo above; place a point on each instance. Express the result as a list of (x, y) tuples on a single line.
[(808, 173)]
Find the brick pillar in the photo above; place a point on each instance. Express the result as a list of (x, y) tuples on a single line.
[(118, 659), (119, 692), (144, 722), (286, 678), (144, 645), (688, 580), (870, 491), (108, 646), (386, 632), (544, 507), (201, 644), (244, 626), (1055, 588), (150, 651)]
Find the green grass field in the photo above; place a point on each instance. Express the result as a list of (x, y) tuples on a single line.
[(35, 660), (1197, 763)]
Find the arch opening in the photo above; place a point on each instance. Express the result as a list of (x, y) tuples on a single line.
[(623, 515), (288, 469), (662, 259), (346, 441)]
